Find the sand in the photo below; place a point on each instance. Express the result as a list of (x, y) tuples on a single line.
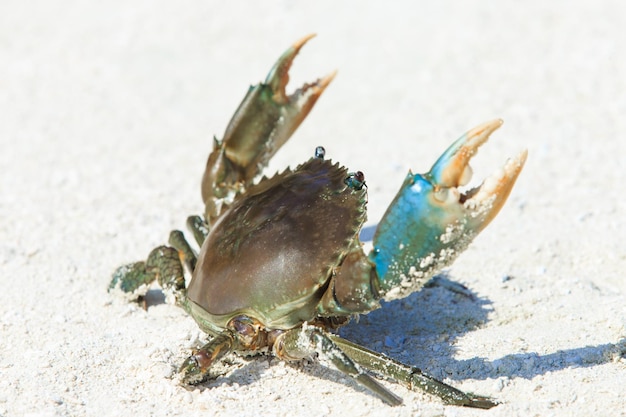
[(107, 115)]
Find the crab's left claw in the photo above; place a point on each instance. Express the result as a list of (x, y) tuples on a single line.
[(431, 220), (264, 121)]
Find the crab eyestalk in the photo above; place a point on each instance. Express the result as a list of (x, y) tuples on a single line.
[(431, 220), (264, 121)]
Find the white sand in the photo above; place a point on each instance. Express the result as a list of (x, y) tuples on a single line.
[(107, 110)]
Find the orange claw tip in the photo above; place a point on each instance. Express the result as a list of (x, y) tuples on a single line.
[(452, 168), (323, 82), (278, 77), (473, 139), (499, 184), (300, 42), (486, 128), (486, 200)]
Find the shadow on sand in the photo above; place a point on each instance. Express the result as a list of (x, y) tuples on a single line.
[(421, 330), (435, 317)]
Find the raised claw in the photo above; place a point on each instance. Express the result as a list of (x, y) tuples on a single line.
[(264, 121), (278, 77), (431, 220), (297, 105), (480, 204)]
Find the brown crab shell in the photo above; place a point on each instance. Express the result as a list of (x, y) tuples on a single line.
[(272, 253)]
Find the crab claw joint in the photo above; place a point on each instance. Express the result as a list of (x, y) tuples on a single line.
[(431, 220)]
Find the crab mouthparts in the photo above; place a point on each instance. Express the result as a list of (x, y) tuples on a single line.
[(452, 170)]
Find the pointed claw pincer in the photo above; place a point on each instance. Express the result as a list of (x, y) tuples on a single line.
[(431, 221), (264, 121)]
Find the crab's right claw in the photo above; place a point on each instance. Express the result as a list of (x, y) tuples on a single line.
[(264, 121), (431, 220)]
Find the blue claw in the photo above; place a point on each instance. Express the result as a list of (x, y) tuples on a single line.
[(431, 221)]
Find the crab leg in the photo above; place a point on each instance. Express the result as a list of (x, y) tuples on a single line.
[(409, 376), (196, 367), (264, 121), (163, 265), (299, 343), (431, 221), (198, 228)]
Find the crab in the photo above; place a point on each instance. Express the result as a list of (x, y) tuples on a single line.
[(281, 265)]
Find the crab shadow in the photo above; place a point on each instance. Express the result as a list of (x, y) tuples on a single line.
[(367, 233), (421, 330), (152, 298)]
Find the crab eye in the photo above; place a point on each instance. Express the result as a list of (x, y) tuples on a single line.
[(355, 180), (320, 152)]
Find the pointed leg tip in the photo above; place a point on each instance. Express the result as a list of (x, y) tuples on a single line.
[(483, 403)]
